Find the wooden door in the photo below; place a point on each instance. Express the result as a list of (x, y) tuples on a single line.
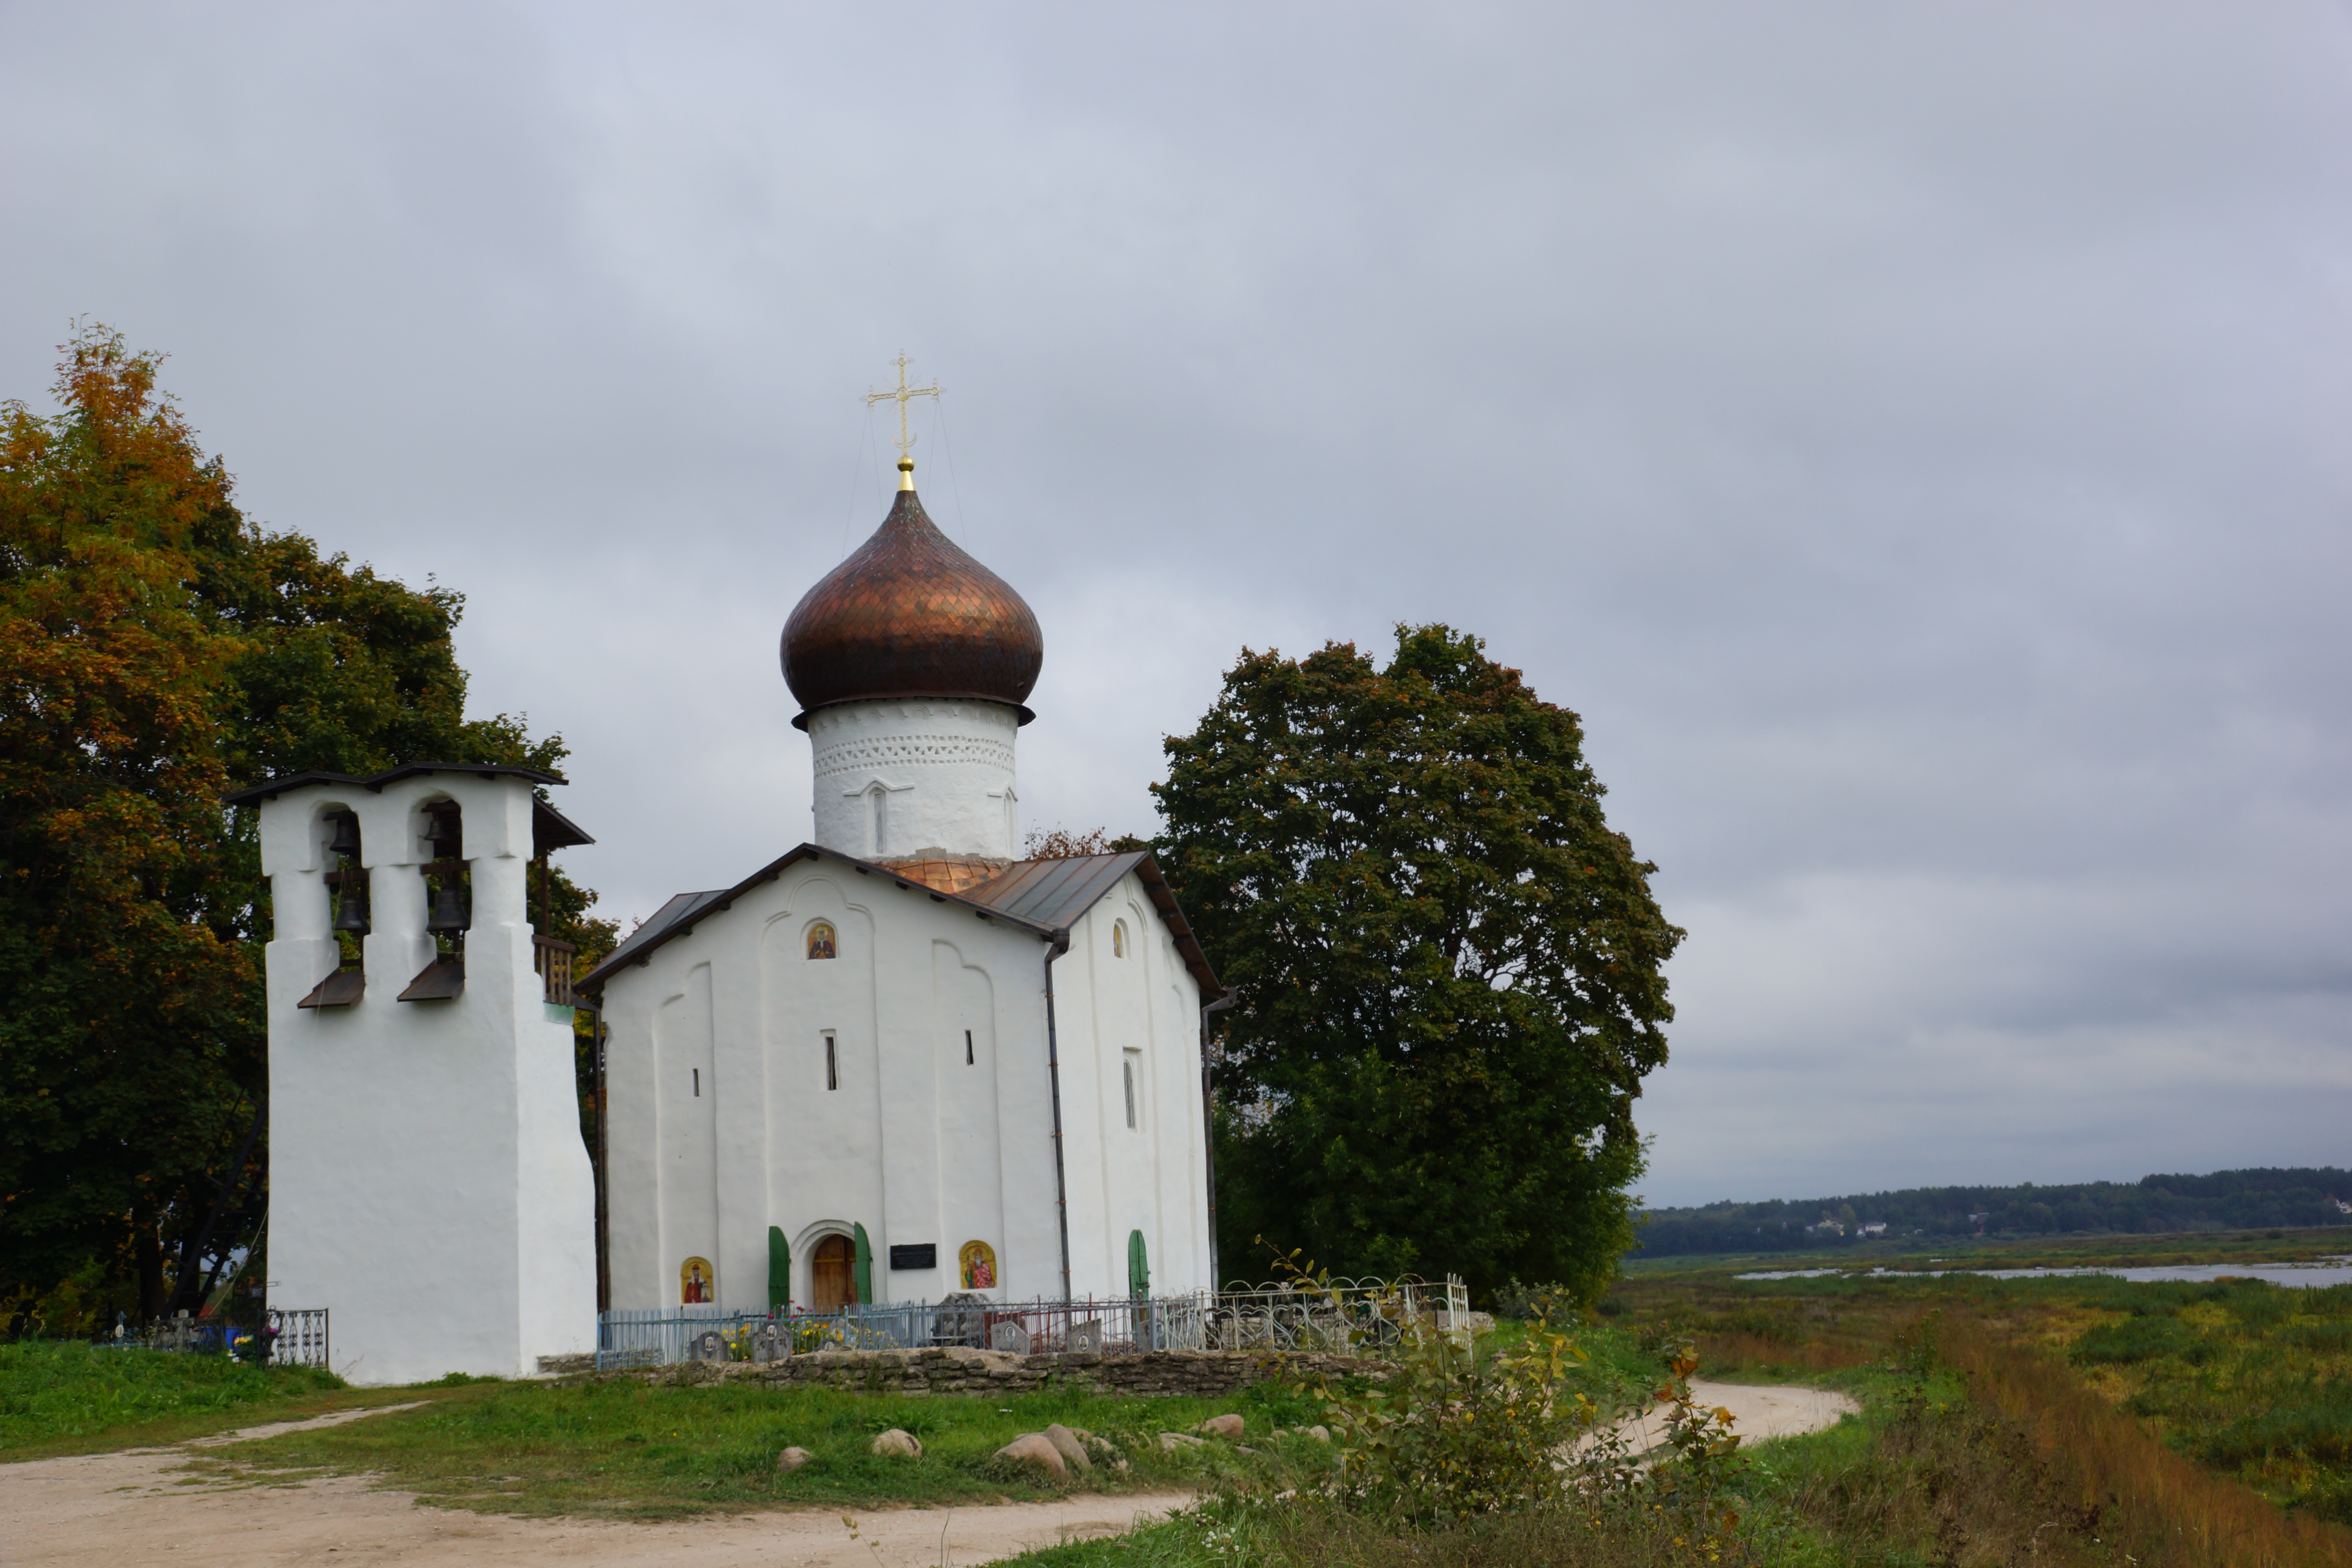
[(834, 1277)]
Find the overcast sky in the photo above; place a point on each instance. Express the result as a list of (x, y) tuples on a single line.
[(1913, 438)]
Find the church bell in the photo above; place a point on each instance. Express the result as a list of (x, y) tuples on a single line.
[(448, 908), (351, 913), (346, 841)]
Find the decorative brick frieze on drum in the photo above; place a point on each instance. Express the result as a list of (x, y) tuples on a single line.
[(912, 778)]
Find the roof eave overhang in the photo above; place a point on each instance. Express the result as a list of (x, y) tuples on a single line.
[(801, 720), (1188, 945), (593, 981), (550, 828), (254, 795), (1147, 870)]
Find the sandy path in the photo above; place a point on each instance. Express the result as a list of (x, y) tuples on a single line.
[(1757, 1412), (137, 1507)]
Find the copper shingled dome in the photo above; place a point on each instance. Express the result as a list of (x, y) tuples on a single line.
[(911, 615)]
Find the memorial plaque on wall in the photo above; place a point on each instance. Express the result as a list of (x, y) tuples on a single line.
[(926, 1255)]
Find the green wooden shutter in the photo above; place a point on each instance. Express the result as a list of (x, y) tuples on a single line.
[(779, 1270), (862, 1271), (1139, 1265)]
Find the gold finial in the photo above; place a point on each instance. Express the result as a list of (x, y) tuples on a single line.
[(906, 438)]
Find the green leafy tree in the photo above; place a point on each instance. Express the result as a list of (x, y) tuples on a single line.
[(157, 650), (1449, 966)]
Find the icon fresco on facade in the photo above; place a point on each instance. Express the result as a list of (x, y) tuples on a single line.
[(697, 1284), (976, 1266), (820, 939)]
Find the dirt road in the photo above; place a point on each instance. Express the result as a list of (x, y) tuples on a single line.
[(138, 1508), (117, 1510)]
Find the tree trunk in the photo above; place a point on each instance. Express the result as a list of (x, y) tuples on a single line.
[(148, 1244)]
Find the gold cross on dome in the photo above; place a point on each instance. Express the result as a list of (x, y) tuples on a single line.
[(904, 392)]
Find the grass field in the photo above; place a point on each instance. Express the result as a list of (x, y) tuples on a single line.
[(2153, 1408), (2081, 1420), (626, 1450), (58, 1398)]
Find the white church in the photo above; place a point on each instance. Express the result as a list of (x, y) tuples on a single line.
[(894, 1063), (898, 1062)]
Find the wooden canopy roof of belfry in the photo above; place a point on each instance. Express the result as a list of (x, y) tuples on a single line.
[(550, 828), (910, 614), (1041, 897)]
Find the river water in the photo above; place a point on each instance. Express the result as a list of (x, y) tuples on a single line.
[(2326, 1272)]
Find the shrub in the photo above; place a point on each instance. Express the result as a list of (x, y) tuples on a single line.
[(1552, 1303), (2133, 1339), (1457, 1431)]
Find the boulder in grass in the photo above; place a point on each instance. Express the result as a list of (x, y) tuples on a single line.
[(1226, 1427), (1071, 1446), (1177, 1442), (1319, 1433), (1033, 1448), (897, 1440), (792, 1460)]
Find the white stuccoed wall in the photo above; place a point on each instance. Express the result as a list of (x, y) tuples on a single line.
[(917, 1144), (906, 777), (428, 1183)]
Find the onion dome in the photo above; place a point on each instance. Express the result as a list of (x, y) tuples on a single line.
[(911, 615)]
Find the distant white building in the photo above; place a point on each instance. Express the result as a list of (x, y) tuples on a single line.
[(897, 1062)]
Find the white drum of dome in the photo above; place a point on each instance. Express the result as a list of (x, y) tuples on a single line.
[(915, 778)]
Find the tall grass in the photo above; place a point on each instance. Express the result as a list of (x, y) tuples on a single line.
[(2162, 1508)]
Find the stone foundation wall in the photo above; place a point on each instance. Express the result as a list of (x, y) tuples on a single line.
[(1206, 1374)]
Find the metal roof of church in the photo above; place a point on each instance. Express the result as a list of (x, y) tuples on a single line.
[(1044, 897)]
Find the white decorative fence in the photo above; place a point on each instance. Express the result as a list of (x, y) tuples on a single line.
[(291, 1337)]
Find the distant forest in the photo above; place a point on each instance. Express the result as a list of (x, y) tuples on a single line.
[(2226, 1200)]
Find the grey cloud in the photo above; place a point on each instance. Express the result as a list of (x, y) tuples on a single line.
[(1911, 438)]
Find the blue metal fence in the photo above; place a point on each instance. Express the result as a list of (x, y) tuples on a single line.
[(1342, 1318)]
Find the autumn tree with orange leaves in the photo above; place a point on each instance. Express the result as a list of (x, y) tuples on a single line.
[(158, 650)]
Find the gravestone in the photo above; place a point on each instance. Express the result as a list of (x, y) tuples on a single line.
[(1010, 1336), (708, 1345), (1087, 1338), (771, 1342), (961, 1319)]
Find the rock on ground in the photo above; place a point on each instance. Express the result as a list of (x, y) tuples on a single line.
[(792, 1458), (1071, 1446), (897, 1440), (1226, 1427), (1035, 1449)]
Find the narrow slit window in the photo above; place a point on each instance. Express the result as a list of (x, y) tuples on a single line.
[(697, 1083), (967, 1047), (832, 1064), (1126, 1070), (1118, 939)]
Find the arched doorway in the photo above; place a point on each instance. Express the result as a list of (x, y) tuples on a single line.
[(832, 1270)]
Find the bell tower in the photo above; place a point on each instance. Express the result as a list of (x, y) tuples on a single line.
[(428, 1183)]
